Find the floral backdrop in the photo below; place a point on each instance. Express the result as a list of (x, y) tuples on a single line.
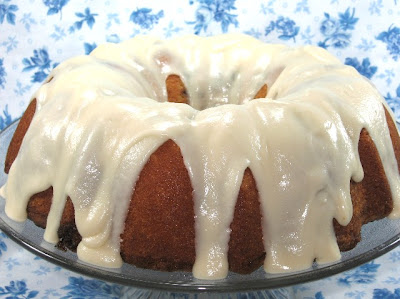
[(36, 35)]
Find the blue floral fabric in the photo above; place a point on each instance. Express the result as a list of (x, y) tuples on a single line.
[(36, 35)]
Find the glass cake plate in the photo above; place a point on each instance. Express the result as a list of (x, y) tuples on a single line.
[(378, 238)]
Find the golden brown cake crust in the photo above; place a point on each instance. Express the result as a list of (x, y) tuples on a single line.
[(246, 249), (176, 90), (163, 195), (371, 197), (262, 93), (19, 134), (159, 231)]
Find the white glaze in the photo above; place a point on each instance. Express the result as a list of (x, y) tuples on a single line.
[(102, 116)]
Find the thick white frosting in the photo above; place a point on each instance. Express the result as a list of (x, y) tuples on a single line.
[(101, 116)]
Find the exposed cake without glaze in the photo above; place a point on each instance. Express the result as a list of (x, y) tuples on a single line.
[(204, 154)]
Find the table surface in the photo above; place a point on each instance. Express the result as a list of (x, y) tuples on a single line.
[(35, 35)]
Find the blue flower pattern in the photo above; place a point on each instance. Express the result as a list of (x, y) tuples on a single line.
[(40, 61), (355, 294), (214, 11), (55, 6), (7, 12), (3, 245), (395, 255), (85, 17), (28, 21), (337, 32), (386, 294), (79, 287), (10, 44), (145, 18), (89, 47), (2, 74), (17, 290), (5, 120), (285, 27), (391, 38), (364, 68), (11, 263), (302, 6), (364, 274), (394, 103), (43, 32)]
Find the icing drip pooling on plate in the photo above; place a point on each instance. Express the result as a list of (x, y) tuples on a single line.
[(101, 117)]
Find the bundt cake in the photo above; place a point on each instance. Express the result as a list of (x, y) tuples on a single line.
[(204, 154)]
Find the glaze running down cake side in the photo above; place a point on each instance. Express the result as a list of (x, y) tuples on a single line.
[(267, 154)]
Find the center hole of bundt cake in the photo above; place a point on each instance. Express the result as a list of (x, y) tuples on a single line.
[(177, 92)]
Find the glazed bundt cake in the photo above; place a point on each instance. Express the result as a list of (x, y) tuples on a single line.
[(204, 154)]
